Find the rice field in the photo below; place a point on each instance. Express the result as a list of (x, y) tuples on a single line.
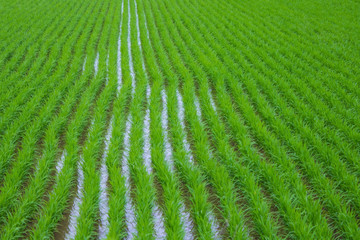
[(178, 119)]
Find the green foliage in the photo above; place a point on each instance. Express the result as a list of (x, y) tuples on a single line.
[(254, 118)]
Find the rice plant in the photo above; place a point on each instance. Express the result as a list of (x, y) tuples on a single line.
[(152, 119)]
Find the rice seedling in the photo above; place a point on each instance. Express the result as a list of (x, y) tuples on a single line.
[(152, 119)]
